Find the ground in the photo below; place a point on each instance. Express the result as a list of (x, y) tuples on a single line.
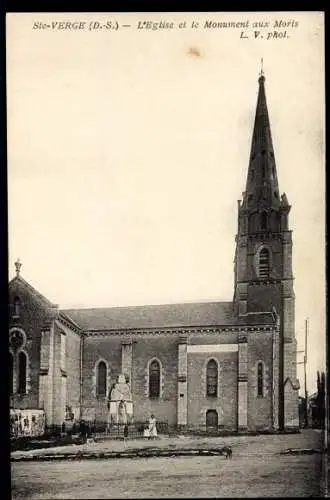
[(256, 470)]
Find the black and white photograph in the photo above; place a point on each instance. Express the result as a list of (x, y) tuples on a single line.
[(166, 259)]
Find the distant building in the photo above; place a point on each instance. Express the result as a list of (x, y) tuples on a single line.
[(229, 365)]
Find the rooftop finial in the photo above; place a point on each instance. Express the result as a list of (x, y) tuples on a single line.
[(261, 74), (18, 265)]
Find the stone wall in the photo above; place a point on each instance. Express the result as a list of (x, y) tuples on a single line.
[(260, 409), (165, 350), (226, 402), (66, 372), (33, 314), (100, 348), (73, 342)]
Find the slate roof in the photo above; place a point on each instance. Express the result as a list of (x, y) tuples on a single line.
[(189, 314), (163, 316)]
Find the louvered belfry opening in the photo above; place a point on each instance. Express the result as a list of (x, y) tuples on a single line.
[(264, 263)]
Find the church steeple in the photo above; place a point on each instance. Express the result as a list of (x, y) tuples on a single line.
[(262, 190), (263, 260)]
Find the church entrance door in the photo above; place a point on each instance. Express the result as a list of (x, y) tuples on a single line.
[(211, 419)]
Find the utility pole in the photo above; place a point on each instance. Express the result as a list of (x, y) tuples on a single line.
[(305, 373)]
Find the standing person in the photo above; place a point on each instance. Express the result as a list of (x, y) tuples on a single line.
[(152, 426), (12, 426), (20, 425), (125, 432), (83, 431)]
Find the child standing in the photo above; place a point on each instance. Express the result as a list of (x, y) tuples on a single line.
[(146, 432)]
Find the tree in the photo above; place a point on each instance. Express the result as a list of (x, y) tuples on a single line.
[(320, 400)]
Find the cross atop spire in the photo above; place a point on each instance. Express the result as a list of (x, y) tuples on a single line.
[(262, 74), (18, 265)]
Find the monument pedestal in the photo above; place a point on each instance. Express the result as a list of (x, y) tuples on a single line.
[(116, 417)]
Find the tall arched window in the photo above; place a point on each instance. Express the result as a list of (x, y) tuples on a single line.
[(17, 304), (264, 263), (101, 384), (154, 379), (11, 373), (260, 379), (22, 373), (212, 378)]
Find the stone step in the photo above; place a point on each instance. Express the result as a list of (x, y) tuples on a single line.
[(138, 453)]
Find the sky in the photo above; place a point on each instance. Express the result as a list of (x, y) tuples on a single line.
[(128, 150)]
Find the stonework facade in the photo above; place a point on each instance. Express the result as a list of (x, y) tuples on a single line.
[(228, 365)]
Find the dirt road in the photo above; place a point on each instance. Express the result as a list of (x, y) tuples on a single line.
[(256, 469)]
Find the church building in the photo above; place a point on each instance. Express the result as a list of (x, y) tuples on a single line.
[(229, 365)]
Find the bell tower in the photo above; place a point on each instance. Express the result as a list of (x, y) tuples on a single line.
[(263, 257)]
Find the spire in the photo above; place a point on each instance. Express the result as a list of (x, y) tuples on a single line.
[(262, 187)]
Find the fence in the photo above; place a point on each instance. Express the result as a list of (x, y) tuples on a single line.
[(99, 429)]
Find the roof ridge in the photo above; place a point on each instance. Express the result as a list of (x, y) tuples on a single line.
[(168, 304)]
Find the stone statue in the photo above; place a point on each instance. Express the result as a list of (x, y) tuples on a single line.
[(121, 390), (121, 405)]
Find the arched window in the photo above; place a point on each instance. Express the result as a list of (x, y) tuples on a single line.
[(17, 304), (212, 379), (154, 379), (263, 221), (11, 374), (22, 373), (264, 263), (101, 384), (260, 380)]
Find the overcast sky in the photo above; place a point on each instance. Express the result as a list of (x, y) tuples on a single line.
[(128, 151)]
